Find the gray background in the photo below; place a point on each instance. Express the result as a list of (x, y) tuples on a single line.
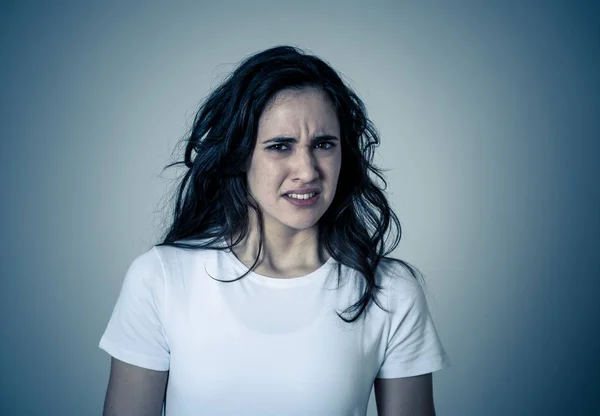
[(489, 119)]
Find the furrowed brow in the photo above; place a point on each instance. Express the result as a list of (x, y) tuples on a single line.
[(280, 140), (283, 139), (325, 137)]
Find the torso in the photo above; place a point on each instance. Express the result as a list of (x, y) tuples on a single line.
[(265, 345)]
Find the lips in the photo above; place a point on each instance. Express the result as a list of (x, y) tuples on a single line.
[(302, 202), (302, 191)]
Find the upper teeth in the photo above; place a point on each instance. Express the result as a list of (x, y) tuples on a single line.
[(301, 196)]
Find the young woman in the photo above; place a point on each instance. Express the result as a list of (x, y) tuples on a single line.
[(272, 292)]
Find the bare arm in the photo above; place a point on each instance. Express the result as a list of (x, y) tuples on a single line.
[(134, 390), (405, 396)]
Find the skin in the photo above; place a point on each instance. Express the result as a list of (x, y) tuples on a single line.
[(310, 157), (134, 391), (297, 146), (405, 396)]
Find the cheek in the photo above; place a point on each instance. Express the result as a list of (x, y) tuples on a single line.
[(339, 163), (333, 168), (264, 179)]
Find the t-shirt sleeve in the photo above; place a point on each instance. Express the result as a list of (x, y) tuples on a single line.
[(413, 345), (135, 333)]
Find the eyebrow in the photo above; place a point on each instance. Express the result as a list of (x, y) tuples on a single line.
[(283, 139)]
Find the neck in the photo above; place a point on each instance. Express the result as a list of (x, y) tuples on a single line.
[(284, 253)]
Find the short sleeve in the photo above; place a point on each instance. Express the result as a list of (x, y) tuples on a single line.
[(413, 345), (135, 333)]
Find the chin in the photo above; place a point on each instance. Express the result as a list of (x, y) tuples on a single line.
[(300, 225), (294, 220)]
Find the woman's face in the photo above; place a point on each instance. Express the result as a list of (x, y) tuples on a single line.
[(296, 161)]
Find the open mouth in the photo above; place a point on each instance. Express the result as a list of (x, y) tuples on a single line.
[(303, 200), (301, 196)]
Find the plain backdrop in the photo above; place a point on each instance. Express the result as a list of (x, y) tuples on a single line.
[(489, 119)]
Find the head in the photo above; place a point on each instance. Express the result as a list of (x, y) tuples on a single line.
[(295, 164), (293, 100)]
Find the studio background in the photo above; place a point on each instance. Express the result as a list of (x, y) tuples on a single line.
[(489, 119)]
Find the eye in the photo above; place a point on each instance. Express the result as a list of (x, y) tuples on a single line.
[(325, 145), (280, 147)]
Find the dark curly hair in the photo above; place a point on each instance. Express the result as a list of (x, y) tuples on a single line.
[(212, 200)]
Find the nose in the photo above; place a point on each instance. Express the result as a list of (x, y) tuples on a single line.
[(304, 166)]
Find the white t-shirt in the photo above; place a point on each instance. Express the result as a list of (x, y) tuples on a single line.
[(267, 346)]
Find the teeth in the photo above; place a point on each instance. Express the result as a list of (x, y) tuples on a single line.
[(301, 196)]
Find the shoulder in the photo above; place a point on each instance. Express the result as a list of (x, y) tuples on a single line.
[(174, 257), (185, 268), (403, 288), (397, 284), (158, 265), (145, 267), (398, 277)]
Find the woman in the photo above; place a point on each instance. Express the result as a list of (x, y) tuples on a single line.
[(272, 292)]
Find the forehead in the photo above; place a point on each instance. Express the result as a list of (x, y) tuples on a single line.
[(293, 111)]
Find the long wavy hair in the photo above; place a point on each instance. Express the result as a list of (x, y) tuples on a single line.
[(212, 201)]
